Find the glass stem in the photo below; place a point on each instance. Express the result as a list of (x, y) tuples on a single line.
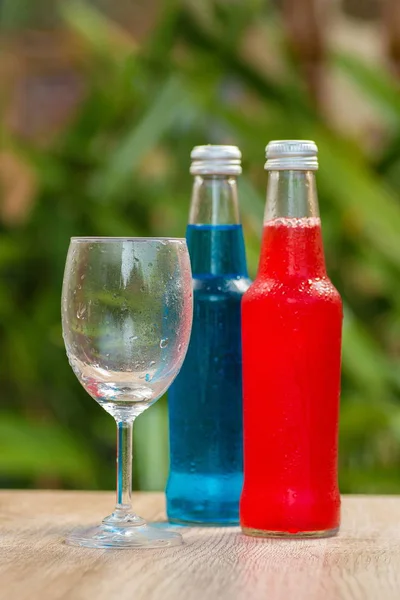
[(124, 466)]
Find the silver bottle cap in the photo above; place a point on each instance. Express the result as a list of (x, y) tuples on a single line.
[(216, 160), (293, 155)]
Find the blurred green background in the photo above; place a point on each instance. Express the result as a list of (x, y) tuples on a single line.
[(100, 107)]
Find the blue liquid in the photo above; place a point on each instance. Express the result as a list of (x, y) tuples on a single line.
[(205, 401)]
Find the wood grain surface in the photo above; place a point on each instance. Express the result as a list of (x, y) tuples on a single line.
[(361, 563)]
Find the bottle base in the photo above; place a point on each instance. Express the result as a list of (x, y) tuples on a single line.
[(199, 523), (326, 533), (204, 500)]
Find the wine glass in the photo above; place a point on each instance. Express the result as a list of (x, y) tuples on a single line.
[(127, 314)]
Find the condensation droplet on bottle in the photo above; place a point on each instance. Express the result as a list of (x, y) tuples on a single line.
[(164, 343), (153, 362), (142, 289), (179, 347), (133, 337)]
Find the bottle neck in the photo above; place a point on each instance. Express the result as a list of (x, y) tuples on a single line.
[(291, 194), (214, 201), (214, 236), (292, 240)]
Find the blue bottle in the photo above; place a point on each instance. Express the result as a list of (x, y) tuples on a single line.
[(205, 401)]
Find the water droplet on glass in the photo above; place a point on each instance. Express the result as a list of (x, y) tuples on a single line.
[(133, 337), (164, 343), (142, 289), (82, 277), (179, 347), (153, 362), (81, 311), (150, 264), (148, 377)]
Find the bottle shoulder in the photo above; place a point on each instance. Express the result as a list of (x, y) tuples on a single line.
[(290, 291), (221, 285)]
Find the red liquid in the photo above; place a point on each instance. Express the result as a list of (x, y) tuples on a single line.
[(291, 330)]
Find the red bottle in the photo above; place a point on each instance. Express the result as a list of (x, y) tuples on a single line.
[(291, 331)]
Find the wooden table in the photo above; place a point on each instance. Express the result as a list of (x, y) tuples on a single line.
[(362, 563)]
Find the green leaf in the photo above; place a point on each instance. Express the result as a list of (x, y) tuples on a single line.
[(143, 136), (150, 443), (363, 360), (35, 449), (373, 81), (357, 191), (101, 33)]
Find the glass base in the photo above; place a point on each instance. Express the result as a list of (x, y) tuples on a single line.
[(131, 532), (285, 534)]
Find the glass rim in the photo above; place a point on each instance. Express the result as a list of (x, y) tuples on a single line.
[(125, 239)]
